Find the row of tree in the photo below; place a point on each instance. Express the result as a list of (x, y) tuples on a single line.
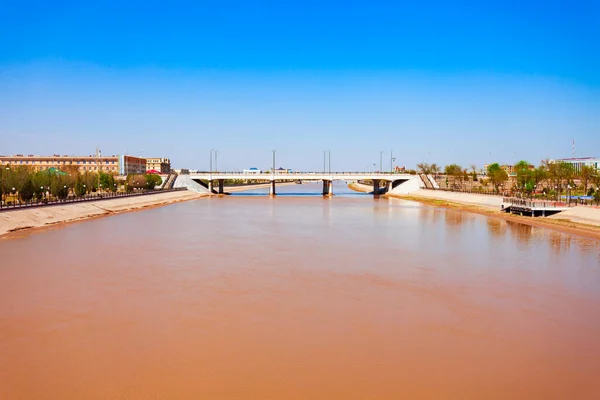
[(548, 176), (28, 184)]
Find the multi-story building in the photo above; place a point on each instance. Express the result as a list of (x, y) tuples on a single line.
[(121, 165), (108, 164), (131, 165), (577, 163), (162, 165)]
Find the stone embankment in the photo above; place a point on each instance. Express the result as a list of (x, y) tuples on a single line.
[(579, 220), (16, 220)]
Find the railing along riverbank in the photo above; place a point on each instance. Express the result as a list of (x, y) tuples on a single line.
[(82, 199)]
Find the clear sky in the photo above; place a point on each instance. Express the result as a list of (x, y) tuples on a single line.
[(436, 81)]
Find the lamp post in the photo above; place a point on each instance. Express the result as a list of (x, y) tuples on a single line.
[(329, 158), (324, 161), (381, 160), (569, 195), (216, 160), (392, 159)]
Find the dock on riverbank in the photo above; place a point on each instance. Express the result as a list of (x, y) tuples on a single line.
[(17, 220)]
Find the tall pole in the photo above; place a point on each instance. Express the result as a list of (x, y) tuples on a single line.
[(273, 168), (324, 158), (216, 161), (329, 151), (381, 160), (210, 165), (391, 161)]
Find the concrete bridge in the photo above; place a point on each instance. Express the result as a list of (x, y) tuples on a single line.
[(404, 183)]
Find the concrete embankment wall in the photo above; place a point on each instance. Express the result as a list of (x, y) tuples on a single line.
[(50, 215), (466, 198)]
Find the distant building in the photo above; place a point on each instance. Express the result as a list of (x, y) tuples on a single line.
[(252, 171), (282, 171), (108, 164), (161, 165), (577, 163), (131, 165)]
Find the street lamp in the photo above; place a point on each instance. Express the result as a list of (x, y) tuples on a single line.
[(324, 161), (273, 168), (381, 160), (392, 159)]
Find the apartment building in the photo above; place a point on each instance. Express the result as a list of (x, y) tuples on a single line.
[(91, 163), (131, 165), (162, 165)]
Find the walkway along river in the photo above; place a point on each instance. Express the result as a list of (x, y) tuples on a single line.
[(299, 297)]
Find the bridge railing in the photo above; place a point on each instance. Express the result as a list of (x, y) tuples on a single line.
[(528, 203), (296, 173)]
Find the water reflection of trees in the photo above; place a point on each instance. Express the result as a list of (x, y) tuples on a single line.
[(497, 227), (455, 218), (521, 231), (559, 242)]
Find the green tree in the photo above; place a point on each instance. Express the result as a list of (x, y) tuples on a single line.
[(497, 175), (80, 189), (27, 191), (62, 192), (586, 175), (524, 175)]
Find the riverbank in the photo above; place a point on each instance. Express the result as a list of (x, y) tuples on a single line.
[(241, 188), (582, 221), (359, 187), (18, 220)]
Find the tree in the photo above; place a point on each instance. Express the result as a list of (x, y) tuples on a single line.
[(497, 175), (80, 189), (424, 168), (435, 170), (524, 175), (587, 174), (27, 191), (152, 181), (62, 192), (474, 172), (456, 173)]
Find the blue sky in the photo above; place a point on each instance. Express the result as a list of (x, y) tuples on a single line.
[(434, 81)]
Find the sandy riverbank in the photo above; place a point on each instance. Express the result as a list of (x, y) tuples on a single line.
[(241, 188), (40, 217), (583, 221)]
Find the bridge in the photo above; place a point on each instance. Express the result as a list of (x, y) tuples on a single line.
[(212, 180)]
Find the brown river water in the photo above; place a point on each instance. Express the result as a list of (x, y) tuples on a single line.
[(299, 297)]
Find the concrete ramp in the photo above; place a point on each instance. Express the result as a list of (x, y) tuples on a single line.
[(411, 185), (187, 182)]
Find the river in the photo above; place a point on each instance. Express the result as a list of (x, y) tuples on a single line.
[(299, 297)]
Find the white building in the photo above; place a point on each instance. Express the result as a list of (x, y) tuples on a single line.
[(579, 162), (252, 171)]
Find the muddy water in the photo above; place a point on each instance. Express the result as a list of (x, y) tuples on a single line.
[(299, 298)]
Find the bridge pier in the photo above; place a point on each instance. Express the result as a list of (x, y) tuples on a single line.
[(221, 186), (272, 189), (210, 186), (376, 188), (327, 187)]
